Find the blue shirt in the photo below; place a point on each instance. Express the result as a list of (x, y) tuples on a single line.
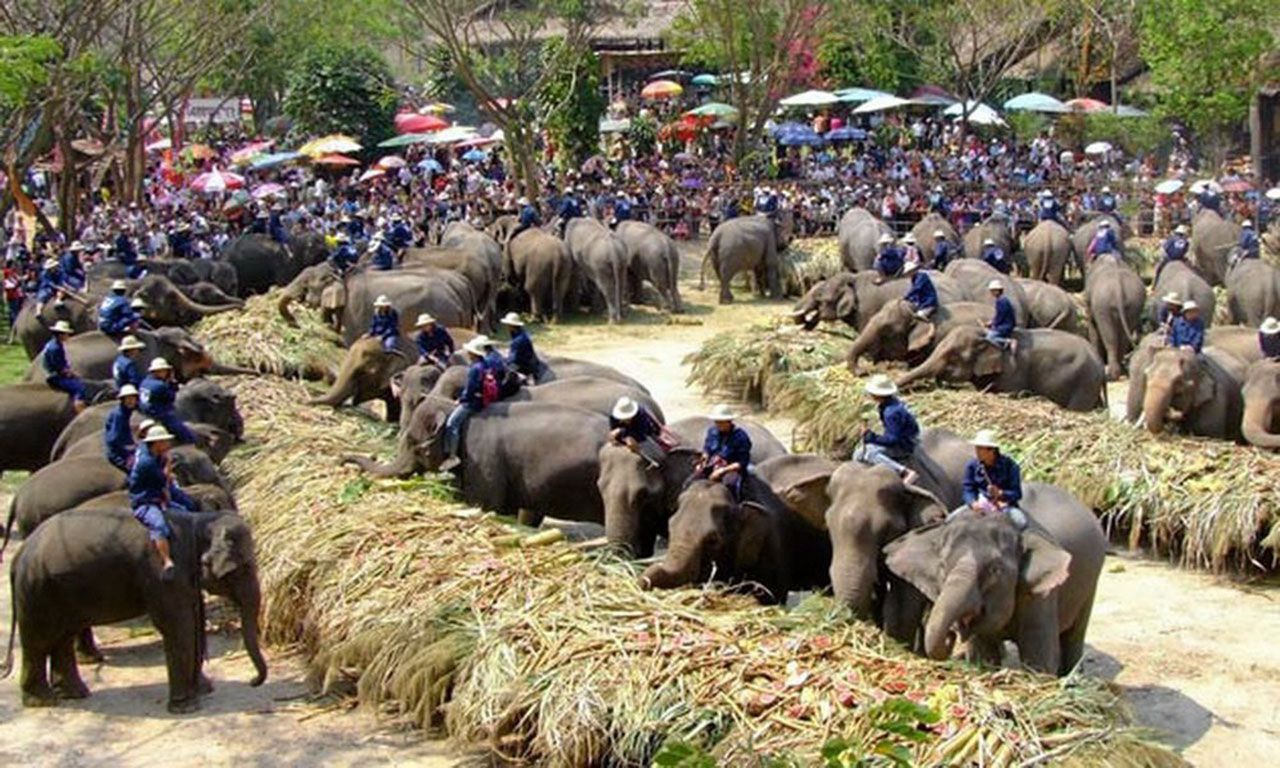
[(180, 244), (529, 217), (1107, 203), (942, 250), (1249, 244), (400, 236), (1175, 248), (72, 269), (495, 363), (889, 261), (117, 436), (639, 428), (1049, 210), (434, 343), (1270, 345), (1004, 474), (1104, 242), (1187, 333), (124, 250), (115, 315), (156, 398), (520, 354), (622, 210), (50, 281), (900, 428), (384, 259), (570, 208), (922, 294), (473, 391), (343, 258), (385, 325), (994, 256), (939, 204), (1005, 318), (124, 370), (149, 486), (55, 358), (731, 448), (275, 227)]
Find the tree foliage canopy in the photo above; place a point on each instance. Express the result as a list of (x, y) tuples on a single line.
[(337, 88)]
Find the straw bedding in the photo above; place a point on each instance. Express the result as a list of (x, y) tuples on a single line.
[(258, 337)]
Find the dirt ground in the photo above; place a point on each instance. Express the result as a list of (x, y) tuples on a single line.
[(1192, 654)]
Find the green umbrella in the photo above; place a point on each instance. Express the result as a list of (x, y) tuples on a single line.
[(705, 79), (405, 140), (714, 109)]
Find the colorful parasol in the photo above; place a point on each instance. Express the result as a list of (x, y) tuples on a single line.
[(409, 122), (217, 181), (334, 159), (246, 154), (329, 145), (264, 191), (370, 175), (661, 89), (391, 161)]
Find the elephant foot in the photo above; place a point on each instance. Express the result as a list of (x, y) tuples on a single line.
[(71, 689), (183, 706), (40, 698), (204, 685)]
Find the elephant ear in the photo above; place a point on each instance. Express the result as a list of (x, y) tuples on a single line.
[(221, 554), (1045, 565), (988, 361), (1206, 384), (917, 558), (921, 336), (846, 303), (752, 532), (922, 507)]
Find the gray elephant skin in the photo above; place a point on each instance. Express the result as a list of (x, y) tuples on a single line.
[(988, 583), (1260, 424), (31, 417), (895, 333), (1048, 250), (993, 227), (1253, 292), (1213, 239), (33, 332), (859, 234), (261, 263), (601, 262), (1181, 278), (1049, 306), (973, 276), (653, 258), (168, 305), (539, 265), (483, 249), (91, 355), (85, 569), (855, 298), (473, 265), (1114, 297), (1083, 234), (924, 231), (1205, 389), (747, 244)]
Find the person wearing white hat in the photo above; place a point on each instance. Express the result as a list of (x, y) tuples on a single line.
[(57, 368), (344, 257), (922, 295), (901, 430), (1049, 209), (726, 451), (382, 257), (943, 250), (480, 390), (435, 345), (117, 433), (52, 286), (1187, 330), (633, 426), (124, 369), (995, 256), (521, 356), (938, 203), (73, 275), (400, 236), (157, 398), (1269, 338), (385, 324), (1000, 329), (889, 259), (152, 493), (1250, 245), (1170, 310), (115, 317), (992, 481), (1174, 248), (1104, 242), (1107, 202)]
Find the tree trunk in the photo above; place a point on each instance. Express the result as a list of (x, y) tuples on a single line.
[(68, 187)]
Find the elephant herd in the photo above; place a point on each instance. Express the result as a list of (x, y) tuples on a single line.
[(1068, 346)]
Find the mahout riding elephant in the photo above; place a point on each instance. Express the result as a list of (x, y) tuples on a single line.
[(1205, 389), (1253, 292), (896, 333), (997, 227), (1237, 341), (31, 416), (924, 231), (413, 291), (759, 541), (859, 234), (534, 459), (182, 272), (855, 298), (209, 496), (653, 258), (1114, 296), (639, 500), (73, 481), (1181, 278), (1049, 306), (168, 305), (473, 264), (366, 374), (988, 582), (91, 355), (1260, 424), (317, 286), (974, 276), (33, 332), (214, 442), (600, 262), (86, 569), (747, 244), (1213, 239), (1083, 235), (1056, 365), (1048, 250)]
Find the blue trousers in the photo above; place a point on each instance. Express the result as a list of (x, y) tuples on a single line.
[(453, 427), (390, 343), (176, 426), (69, 384), (870, 453)]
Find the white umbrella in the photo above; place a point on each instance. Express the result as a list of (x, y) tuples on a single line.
[(1273, 193), (452, 134), (1204, 184), (159, 146), (810, 99), (979, 114), (1169, 187), (880, 104), (1097, 148)]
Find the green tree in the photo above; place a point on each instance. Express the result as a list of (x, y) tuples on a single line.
[(23, 61), (855, 53), (574, 105), (338, 88)]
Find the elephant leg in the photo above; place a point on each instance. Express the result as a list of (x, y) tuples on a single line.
[(1037, 636), (530, 518), (762, 279), (66, 675), (87, 648), (35, 676), (1071, 643), (903, 614), (983, 650), (177, 627), (726, 296)]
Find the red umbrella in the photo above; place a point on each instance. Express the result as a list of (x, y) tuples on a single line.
[(408, 122), (334, 159), (1236, 186), (1087, 105), (217, 181)]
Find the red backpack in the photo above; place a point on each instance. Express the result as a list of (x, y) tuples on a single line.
[(490, 392)]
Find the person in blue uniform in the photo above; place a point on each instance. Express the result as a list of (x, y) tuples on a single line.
[(344, 257), (124, 369), (117, 433), (57, 369), (127, 255), (382, 258), (1174, 248), (1269, 339), (1170, 310), (153, 492), (399, 236), (529, 217), (889, 260), (50, 286), (471, 401), (1208, 197), (1049, 209), (385, 324), (521, 356), (1000, 329), (1187, 331), (943, 250), (275, 225), (622, 209), (1107, 202), (726, 452), (995, 257), (939, 204), (632, 425), (259, 224), (901, 430), (435, 345), (570, 208), (115, 317), (1250, 245), (180, 241), (922, 296), (157, 398), (72, 268), (992, 482), (1104, 242)]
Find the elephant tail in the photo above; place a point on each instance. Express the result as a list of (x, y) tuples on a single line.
[(1124, 325), (8, 526), (706, 260), (7, 667)]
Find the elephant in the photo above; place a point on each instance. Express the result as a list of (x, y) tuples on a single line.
[(168, 305), (1083, 235), (530, 459), (988, 583), (759, 541), (204, 292), (1114, 296), (1049, 306), (855, 298), (33, 332), (1048, 250), (1253, 292), (193, 271), (73, 481), (91, 355), (895, 333), (996, 227), (638, 501), (1180, 277), (924, 230), (200, 401), (481, 248), (213, 442), (481, 274), (85, 569), (1059, 366), (31, 416), (316, 286), (1260, 424), (366, 374), (1205, 389), (859, 234), (653, 258), (747, 244), (539, 264), (974, 275), (600, 260), (440, 292), (261, 263), (1213, 239), (209, 496)]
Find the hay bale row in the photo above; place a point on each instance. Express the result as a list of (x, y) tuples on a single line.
[(258, 337), (810, 260), (525, 645), (741, 364)]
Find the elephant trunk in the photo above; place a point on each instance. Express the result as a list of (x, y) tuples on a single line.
[(930, 368), (865, 344), (678, 568), (853, 579), (344, 386), (402, 466), (958, 603), (1155, 406), (203, 310), (1259, 416), (248, 596), (287, 298)]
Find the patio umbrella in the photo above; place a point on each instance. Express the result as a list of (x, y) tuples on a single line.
[(404, 140), (670, 74), (430, 164), (478, 141), (245, 154), (714, 109), (1203, 184), (217, 181), (238, 199), (979, 114), (932, 96), (334, 159), (810, 99), (1236, 186), (1087, 105), (1098, 148), (199, 152), (409, 122), (615, 126), (706, 80), (1169, 187), (475, 156), (1273, 193), (1036, 102), (159, 146), (369, 175), (846, 133), (272, 160), (880, 104), (437, 108), (684, 157), (263, 191), (797, 135), (661, 89), (859, 95), (329, 145), (452, 135)]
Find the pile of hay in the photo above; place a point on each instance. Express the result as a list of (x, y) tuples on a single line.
[(528, 646), (741, 364), (808, 261), (258, 337)]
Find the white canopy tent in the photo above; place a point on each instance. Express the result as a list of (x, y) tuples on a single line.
[(979, 114), (811, 99), (881, 104)]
